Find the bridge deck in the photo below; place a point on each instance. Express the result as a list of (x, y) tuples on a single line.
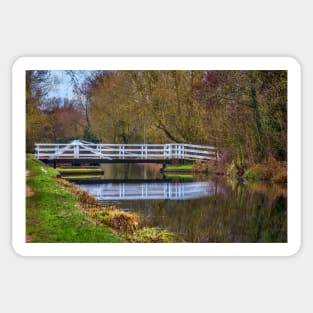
[(113, 153)]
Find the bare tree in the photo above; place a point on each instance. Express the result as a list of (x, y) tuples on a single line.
[(82, 85)]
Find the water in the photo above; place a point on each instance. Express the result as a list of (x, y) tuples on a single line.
[(201, 209)]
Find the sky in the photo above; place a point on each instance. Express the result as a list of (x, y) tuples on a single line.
[(61, 82)]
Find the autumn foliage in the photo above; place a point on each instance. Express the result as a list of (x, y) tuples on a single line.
[(242, 113)]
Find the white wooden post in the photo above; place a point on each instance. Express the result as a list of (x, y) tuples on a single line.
[(175, 153), (179, 151), (37, 151), (76, 150)]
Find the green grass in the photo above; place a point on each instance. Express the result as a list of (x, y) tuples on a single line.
[(53, 214), (30, 156), (78, 170), (179, 176), (179, 167), (81, 176)]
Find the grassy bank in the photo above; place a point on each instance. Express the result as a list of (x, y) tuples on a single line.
[(58, 211), (82, 177), (80, 173), (78, 170), (128, 225), (53, 214), (178, 167), (179, 176), (30, 155)]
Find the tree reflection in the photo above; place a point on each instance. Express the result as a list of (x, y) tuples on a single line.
[(240, 214)]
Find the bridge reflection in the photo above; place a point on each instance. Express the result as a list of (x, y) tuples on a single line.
[(152, 191)]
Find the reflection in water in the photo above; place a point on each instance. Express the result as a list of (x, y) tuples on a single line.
[(237, 216), (151, 191), (209, 210), (131, 171)]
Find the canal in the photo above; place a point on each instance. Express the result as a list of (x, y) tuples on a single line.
[(199, 208)]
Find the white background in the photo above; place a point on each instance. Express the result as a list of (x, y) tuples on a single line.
[(155, 28)]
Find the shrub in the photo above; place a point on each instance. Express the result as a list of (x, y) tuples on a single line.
[(272, 170), (200, 166), (258, 172), (280, 176), (231, 170)]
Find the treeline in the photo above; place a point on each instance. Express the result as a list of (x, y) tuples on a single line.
[(55, 119), (242, 113)]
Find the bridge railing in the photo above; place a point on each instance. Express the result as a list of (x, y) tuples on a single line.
[(82, 150)]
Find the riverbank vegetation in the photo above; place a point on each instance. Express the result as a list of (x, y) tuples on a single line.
[(269, 171), (58, 211), (241, 113), (129, 225), (53, 214)]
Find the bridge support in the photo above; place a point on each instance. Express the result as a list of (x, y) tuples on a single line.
[(162, 170)]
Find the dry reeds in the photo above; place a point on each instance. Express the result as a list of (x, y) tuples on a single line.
[(115, 218), (154, 235), (85, 199)]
